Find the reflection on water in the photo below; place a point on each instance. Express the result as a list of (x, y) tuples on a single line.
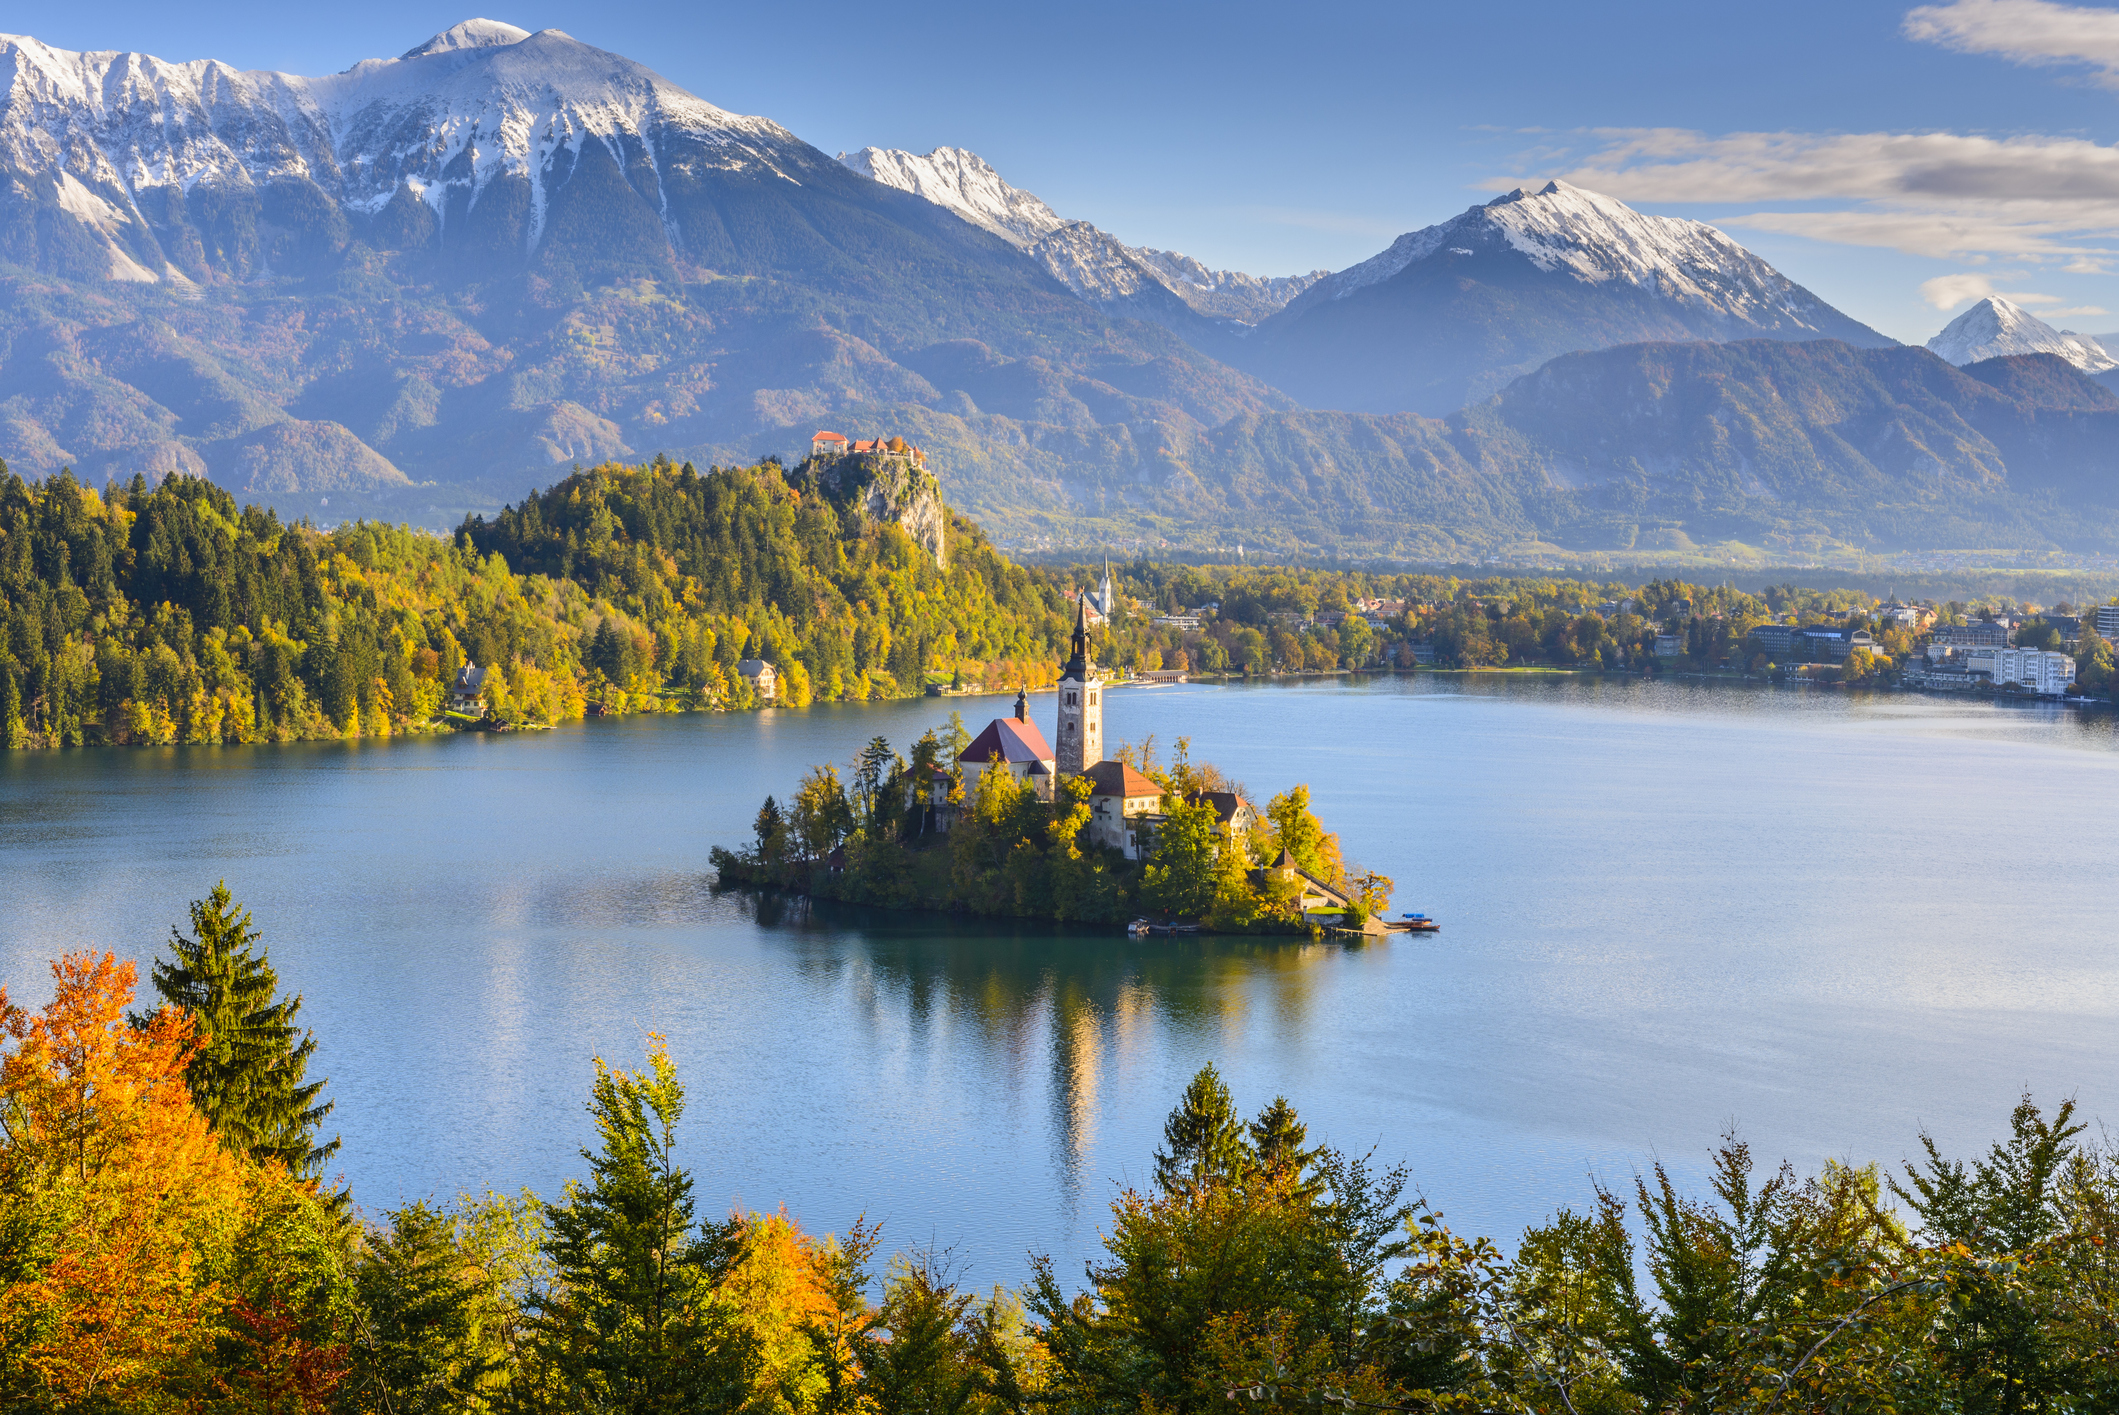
[(1666, 906)]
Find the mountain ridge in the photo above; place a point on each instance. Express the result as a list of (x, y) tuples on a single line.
[(1447, 315)]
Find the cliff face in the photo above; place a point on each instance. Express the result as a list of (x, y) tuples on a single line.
[(889, 488)]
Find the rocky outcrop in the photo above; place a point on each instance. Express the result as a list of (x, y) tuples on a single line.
[(889, 487)]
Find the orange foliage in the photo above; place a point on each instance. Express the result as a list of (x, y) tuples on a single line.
[(105, 1161), (774, 1293)]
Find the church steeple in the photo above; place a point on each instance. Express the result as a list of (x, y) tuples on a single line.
[(1080, 744), (1078, 664)]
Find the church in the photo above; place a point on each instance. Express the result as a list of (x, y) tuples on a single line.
[(1121, 800)]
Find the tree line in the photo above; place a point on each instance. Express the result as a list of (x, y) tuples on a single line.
[(166, 614), (167, 1243)]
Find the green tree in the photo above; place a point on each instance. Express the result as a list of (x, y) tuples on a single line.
[(247, 1077), (918, 1358), (1278, 1136), (1204, 1142), (1180, 873), (1298, 831), (417, 1348), (623, 1325), (822, 815)]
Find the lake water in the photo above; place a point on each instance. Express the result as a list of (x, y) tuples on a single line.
[(1830, 920)]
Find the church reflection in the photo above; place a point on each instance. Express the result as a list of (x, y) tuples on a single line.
[(1071, 1014)]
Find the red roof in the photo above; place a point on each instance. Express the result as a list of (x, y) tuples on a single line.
[(1013, 741), (1109, 778), (827, 437)]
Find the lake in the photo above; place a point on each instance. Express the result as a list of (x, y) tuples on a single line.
[(1830, 920)]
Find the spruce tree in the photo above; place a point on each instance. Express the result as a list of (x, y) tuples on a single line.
[(1277, 1136), (1205, 1139), (247, 1075), (417, 1347)]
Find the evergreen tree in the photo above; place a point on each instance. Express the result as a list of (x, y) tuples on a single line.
[(1205, 1139), (247, 1076), (771, 827), (1277, 1135), (624, 1326), (417, 1349)]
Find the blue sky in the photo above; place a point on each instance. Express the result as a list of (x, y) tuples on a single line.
[(1899, 160)]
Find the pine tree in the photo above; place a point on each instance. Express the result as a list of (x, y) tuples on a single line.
[(623, 1327), (1206, 1141), (417, 1346), (1277, 1135), (247, 1075)]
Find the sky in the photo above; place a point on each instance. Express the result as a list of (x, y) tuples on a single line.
[(1900, 161)]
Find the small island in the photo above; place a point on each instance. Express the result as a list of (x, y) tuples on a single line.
[(1003, 823)]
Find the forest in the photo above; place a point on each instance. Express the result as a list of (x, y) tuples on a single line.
[(170, 1241), (165, 614), (873, 839)]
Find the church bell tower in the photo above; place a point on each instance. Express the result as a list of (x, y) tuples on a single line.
[(1080, 744)]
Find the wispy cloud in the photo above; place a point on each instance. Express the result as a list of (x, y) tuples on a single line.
[(1949, 291), (1947, 195), (2024, 32)]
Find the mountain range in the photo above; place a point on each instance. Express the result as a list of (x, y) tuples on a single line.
[(1996, 328), (426, 284)]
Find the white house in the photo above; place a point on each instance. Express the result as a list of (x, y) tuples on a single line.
[(762, 678), (1118, 797), (2040, 670)]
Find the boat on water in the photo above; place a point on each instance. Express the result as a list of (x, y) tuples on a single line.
[(1144, 928), (1416, 923)]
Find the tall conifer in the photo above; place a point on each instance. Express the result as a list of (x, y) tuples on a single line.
[(247, 1076), (1206, 1140)]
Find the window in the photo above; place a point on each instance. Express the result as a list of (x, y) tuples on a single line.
[(1070, 700), (1092, 700)]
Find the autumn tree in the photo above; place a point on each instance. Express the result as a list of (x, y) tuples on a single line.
[(248, 1072), (1297, 830), (1180, 874)]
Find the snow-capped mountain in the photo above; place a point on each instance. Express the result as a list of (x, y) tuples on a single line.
[(1449, 313), (166, 169), (1995, 328), (1086, 259)]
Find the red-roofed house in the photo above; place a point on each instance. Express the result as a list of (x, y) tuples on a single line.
[(828, 442), (1118, 797), (1015, 744)]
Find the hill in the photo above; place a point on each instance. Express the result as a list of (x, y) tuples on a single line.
[(166, 614)]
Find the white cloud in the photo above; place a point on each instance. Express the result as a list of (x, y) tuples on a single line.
[(2023, 31), (1950, 196), (1947, 292)]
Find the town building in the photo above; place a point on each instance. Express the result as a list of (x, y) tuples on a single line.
[(2039, 670), (761, 677), (927, 789), (1979, 633), (1013, 745), (467, 694), (1831, 643), (1775, 640), (1081, 711), (2106, 619), (1119, 799), (1669, 645)]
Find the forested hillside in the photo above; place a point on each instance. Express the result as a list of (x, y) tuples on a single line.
[(168, 614)]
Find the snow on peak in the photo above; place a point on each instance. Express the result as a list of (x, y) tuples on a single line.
[(966, 184), (471, 34), (1087, 260), (1996, 328), (1595, 239), (478, 101)]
